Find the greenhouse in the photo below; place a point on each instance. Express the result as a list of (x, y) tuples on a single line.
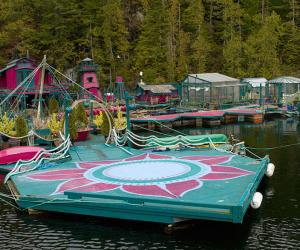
[(212, 90), (256, 89), (283, 88)]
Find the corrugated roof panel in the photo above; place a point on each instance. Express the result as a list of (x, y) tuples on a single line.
[(285, 79), (215, 77), (255, 81)]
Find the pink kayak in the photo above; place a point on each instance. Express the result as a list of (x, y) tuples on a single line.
[(12, 155)]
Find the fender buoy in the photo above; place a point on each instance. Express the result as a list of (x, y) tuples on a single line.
[(256, 200), (270, 170)]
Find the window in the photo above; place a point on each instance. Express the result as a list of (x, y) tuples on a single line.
[(21, 76), (90, 79)]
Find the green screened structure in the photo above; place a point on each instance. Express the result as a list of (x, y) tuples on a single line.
[(282, 87), (212, 90)]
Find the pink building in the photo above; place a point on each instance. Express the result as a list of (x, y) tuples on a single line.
[(16, 72), (88, 76)]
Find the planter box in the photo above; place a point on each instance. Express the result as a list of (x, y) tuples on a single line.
[(82, 135)]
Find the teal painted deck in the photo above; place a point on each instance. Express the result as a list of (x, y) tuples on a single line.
[(165, 187)]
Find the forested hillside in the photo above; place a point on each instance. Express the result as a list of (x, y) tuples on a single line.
[(165, 39)]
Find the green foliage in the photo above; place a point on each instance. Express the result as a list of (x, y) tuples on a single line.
[(53, 106), (72, 125), (81, 116), (164, 39), (7, 125), (105, 125), (21, 126)]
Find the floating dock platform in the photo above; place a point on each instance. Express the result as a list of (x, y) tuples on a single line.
[(198, 119), (165, 187)]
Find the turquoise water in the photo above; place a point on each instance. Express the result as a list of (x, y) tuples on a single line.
[(276, 225)]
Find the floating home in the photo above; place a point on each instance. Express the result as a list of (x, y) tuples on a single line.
[(17, 71), (156, 94)]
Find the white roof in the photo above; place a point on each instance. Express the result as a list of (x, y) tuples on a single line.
[(87, 59), (255, 81), (285, 79), (210, 78)]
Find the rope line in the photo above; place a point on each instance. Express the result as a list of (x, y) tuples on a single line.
[(272, 148)]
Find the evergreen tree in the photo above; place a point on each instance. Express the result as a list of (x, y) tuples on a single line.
[(232, 50), (261, 46), (193, 23), (151, 45)]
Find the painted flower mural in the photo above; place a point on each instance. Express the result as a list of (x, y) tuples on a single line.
[(146, 174)]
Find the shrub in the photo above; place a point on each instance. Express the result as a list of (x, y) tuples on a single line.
[(105, 125), (7, 125), (72, 125), (21, 126), (81, 116), (54, 124), (98, 121), (53, 106)]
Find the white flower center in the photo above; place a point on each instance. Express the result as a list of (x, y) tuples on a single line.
[(146, 170)]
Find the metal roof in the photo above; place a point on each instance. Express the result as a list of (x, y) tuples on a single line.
[(209, 78), (7, 67), (255, 81), (158, 89), (87, 59), (285, 79)]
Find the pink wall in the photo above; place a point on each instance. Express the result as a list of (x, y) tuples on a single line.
[(2, 81), (95, 91), (11, 78), (86, 83)]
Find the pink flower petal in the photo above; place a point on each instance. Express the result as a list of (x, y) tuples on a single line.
[(216, 160), (229, 169), (96, 187), (149, 190), (72, 184), (157, 156), (62, 174), (136, 158), (208, 159), (89, 165), (197, 157), (180, 188), (221, 176)]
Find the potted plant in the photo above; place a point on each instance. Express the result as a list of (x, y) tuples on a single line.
[(78, 124), (98, 121), (55, 125), (7, 126), (120, 121), (105, 125)]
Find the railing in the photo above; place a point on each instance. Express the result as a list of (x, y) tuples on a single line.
[(49, 155)]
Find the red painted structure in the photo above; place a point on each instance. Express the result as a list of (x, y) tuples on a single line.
[(17, 70), (156, 94)]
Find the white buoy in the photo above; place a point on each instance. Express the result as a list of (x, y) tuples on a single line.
[(256, 200), (270, 170)]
